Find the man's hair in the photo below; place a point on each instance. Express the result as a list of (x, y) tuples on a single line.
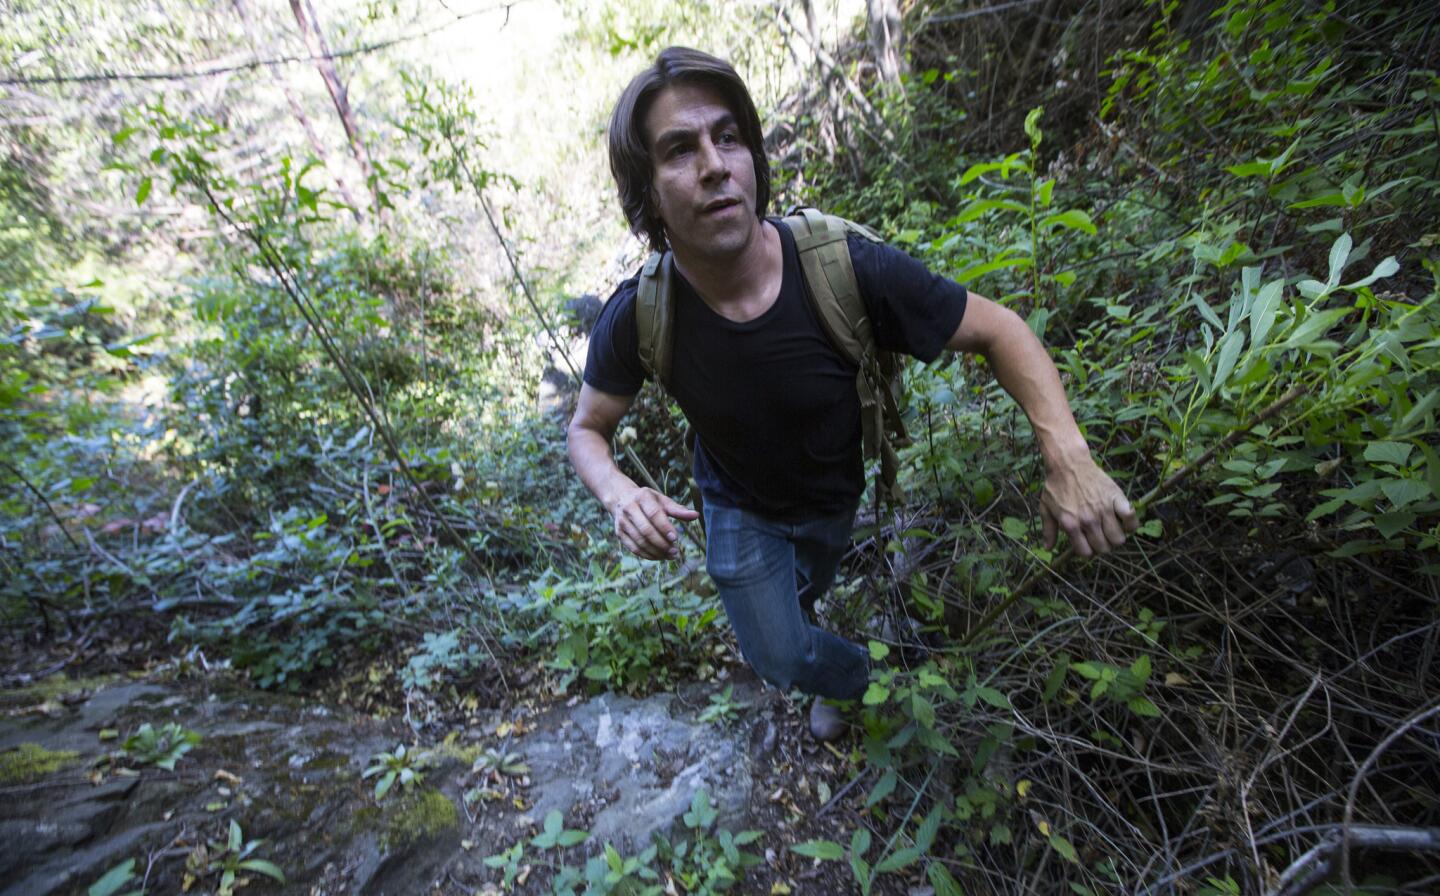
[(630, 162)]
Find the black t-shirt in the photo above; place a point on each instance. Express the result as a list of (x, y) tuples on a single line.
[(771, 400)]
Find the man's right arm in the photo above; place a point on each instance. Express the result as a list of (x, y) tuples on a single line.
[(642, 515)]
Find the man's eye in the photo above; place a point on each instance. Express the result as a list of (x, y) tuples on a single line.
[(729, 138)]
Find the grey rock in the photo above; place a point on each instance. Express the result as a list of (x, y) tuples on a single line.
[(635, 764)]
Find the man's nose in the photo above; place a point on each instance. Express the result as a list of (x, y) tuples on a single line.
[(713, 164)]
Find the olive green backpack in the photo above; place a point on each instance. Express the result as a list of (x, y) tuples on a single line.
[(830, 284)]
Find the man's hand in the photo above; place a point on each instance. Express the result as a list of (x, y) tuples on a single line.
[(642, 520), (1086, 504)]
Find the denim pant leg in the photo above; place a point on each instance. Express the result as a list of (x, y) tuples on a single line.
[(756, 564)]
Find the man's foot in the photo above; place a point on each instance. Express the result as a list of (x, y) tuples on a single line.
[(826, 722)]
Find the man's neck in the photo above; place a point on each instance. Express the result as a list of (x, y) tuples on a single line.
[(741, 286)]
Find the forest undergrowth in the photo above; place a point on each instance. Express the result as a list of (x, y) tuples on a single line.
[(1219, 216)]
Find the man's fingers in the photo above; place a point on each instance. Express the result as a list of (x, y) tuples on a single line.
[(1095, 533), (1076, 532), (1114, 534), (1047, 522), (643, 522), (680, 511), (659, 521), (647, 540), (1128, 518)]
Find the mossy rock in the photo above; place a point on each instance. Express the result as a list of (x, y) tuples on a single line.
[(465, 755), (31, 762), (419, 816)]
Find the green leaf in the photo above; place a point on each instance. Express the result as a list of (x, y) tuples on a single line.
[(876, 694), (993, 697), (1396, 453), (1392, 524), (1339, 254), (1432, 469), (1073, 219), (269, 869), (1207, 312), (1032, 125), (1384, 269), (925, 834), (979, 170), (111, 881), (1056, 679), (1230, 347), (1250, 169), (974, 210), (976, 271), (883, 788), (1086, 670), (923, 711), (944, 883), (1326, 200), (878, 650), (237, 839), (1065, 848), (143, 191), (900, 858), (1262, 313), (1404, 492), (1313, 326), (825, 850), (1141, 706), (860, 842), (382, 786), (1045, 191), (1141, 667)]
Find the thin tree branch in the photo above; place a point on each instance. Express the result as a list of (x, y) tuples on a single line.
[(43, 500), (184, 75)]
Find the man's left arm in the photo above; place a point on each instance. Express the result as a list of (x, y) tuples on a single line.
[(1079, 498)]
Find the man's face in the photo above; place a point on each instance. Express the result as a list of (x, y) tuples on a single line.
[(704, 181)]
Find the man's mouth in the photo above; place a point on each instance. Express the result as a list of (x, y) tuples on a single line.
[(719, 205)]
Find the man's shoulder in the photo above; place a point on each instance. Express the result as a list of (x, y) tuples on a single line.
[(617, 315)]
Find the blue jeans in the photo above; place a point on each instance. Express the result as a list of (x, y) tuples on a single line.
[(769, 575)]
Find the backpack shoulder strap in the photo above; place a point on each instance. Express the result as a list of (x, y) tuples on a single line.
[(820, 240), (654, 320)]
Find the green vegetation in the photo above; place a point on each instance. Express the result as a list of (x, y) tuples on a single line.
[(230, 858), (704, 860), (420, 815), (114, 880), (402, 766), (161, 747), (269, 412), (30, 762)]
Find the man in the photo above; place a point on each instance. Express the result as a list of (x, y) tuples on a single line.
[(773, 404)]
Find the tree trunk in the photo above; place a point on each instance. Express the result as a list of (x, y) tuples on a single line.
[(315, 44), (886, 38), (298, 110)]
